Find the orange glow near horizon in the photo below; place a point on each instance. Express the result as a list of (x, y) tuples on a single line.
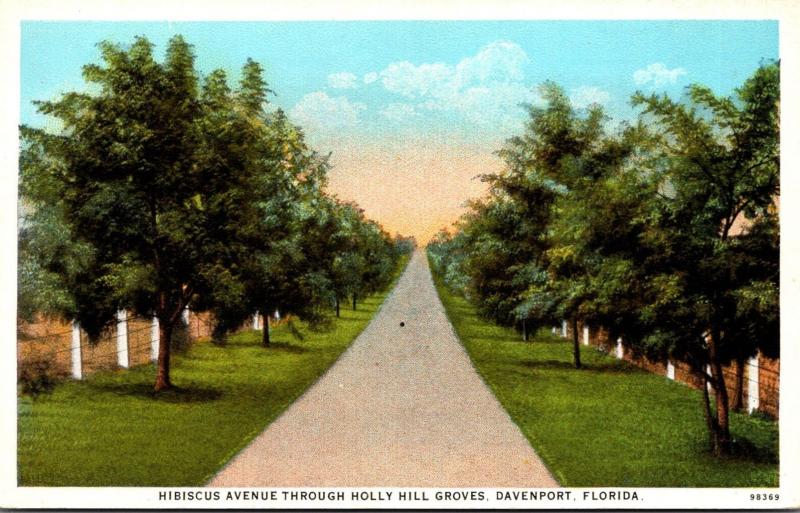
[(412, 189)]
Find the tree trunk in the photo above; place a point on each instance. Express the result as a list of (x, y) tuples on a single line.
[(165, 340), (354, 302), (711, 422), (219, 335), (265, 331), (738, 398), (576, 347), (524, 330), (721, 397), (337, 307)]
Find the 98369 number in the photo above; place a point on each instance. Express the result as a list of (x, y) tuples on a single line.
[(764, 496)]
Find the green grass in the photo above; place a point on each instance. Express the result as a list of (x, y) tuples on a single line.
[(111, 430), (610, 424)]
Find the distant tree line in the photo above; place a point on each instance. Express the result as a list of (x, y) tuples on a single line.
[(163, 189), (664, 232)]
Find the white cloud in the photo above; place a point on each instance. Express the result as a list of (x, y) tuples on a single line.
[(657, 74), (370, 77), (317, 110), (500, 61), (584, 96), (399, 112), (417, 81), (342, 80), (485, 88)]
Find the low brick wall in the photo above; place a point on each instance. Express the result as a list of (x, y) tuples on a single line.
[(47, 343), (767, 380)]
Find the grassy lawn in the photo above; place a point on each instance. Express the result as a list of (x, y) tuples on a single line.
[(610, 424), (110, 430)]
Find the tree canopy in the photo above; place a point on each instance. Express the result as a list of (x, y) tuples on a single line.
[(664, 233), (166, 189)]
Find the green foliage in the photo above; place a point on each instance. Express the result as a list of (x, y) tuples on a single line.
[(121, 176), (665, 233), (304, 249), (51, 262), (167, 189), (617, 425)]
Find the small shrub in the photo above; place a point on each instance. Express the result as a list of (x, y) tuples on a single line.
[(762, 415), (36, 376)]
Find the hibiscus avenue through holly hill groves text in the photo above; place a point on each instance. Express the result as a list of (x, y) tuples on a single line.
[(399, 495)]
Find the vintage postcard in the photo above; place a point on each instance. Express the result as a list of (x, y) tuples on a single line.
[(425, 255)]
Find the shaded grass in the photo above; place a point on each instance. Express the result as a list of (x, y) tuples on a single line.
[(113, 430), (611, 423)]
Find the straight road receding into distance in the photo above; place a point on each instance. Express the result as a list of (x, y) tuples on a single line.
[(402, 407)]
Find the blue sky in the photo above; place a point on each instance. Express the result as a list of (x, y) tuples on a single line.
[(300, 57), (402, 100)]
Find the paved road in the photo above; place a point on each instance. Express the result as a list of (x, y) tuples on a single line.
[(402, 407)]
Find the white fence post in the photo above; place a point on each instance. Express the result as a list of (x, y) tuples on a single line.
[(585, 335), (75, 351), (564, 329), (122, 339), (670, 370), (256, 325), (620, 349), (155, 337), (752, 384)]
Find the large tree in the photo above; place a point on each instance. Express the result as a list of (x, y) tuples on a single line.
[(282, 273), (558, 158), (714, 228), (137, 176), (349, 265)]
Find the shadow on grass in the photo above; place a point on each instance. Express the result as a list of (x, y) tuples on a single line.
[(286, 347), (550, 340), (744, 449), (173, 395), (605, 367), (251, 342)]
